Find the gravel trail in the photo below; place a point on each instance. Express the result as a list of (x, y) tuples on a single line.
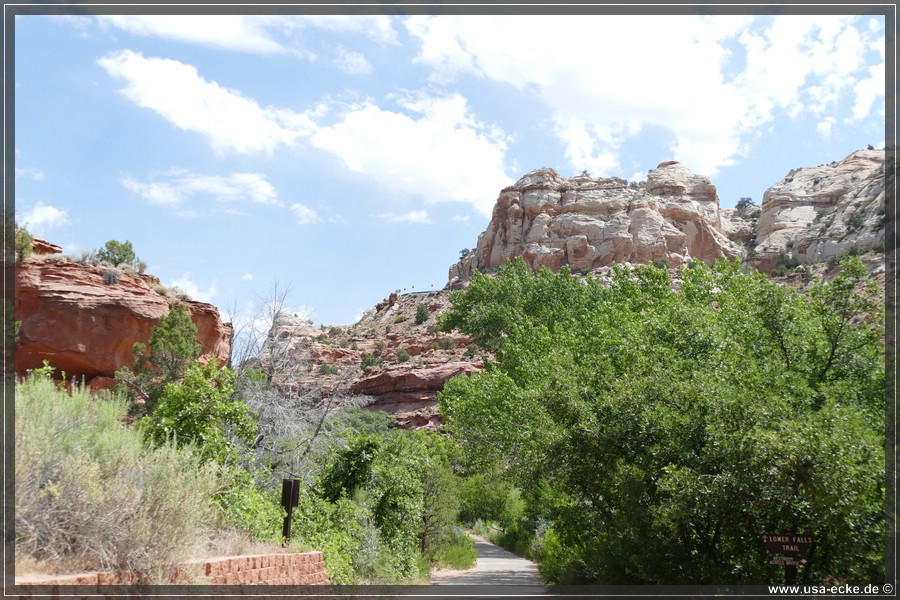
[(495, 566)]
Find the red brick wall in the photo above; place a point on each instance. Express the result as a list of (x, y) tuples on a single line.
[(307, 568)]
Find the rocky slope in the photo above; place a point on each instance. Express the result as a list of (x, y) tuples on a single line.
[(387, 361), (86, 327)]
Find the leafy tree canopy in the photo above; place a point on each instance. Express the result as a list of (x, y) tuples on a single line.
[(660, 433), (118, 253)]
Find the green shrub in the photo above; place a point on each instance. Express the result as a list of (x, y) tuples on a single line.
[(400, 318), (88, 488), (369, 360), (327, 369), (23, 243), (402, 355), (422, 313), (447, 343)]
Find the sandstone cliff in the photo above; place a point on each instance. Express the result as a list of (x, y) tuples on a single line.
[(588, 223), (815, 213), (86, 327)]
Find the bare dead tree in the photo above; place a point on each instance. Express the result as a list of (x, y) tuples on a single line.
[(274, 361)]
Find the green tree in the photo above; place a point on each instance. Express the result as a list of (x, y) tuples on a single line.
[(201, 409), (118, 253), (660, 433), (173, 348), (23, 243), (422, 313)]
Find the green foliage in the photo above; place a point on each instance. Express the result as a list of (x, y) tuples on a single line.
[(23, 243), (785, 263), (328, 369), (406, 490), (400, 318), (87, 488), (173, 348), (402, 354), (173, 344), (743, 206), (359, 421), (768, 416), (422, 313), (118, 253), (369, 360), (202, 410)]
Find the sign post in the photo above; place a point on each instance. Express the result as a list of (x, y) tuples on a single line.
[(290, 497), (790, 550)]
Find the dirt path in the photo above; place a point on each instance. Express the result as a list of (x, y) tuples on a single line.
[(495, 566)]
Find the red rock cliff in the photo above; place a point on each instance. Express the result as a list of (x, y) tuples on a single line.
[(84, 326)]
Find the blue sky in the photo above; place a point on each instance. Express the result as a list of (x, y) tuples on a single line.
[(351, 156)]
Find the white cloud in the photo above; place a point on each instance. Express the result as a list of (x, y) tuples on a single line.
[(713, 82), (30, 173), (376, 27), (824, 126), (179, 185), (443, 155), (412, 217), (177, 92), (186, 284), (228, 32), (304, 214), (352, 63), (461, 218), (247, 277), (256, 34), (44, 217)]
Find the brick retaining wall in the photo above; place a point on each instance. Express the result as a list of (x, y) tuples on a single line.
[(305, 568)]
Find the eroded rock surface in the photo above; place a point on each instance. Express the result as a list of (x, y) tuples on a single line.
[(588, 223), (86, 327), (815, 213)]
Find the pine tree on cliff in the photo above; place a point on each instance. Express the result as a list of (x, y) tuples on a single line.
[(173, 348)]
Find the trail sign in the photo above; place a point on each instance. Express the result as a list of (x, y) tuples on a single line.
[(788, 543), (787, 561)]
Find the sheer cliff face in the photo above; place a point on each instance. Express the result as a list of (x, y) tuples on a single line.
[(815, 213), (86, 327), (588, 223)]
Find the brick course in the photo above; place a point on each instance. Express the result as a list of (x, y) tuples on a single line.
[(306, 568)]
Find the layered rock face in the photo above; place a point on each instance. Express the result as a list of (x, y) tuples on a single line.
[(410, 363), (86, 327), (588, 223), (819, 212)]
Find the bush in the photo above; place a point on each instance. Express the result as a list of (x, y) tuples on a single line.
[(88, 488), (402, 355), (23, 243), (327, 369), (110, 275), (422, 313), (400, 318), (369, 360), (458, 551)]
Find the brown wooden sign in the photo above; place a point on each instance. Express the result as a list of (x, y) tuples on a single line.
[(787, 543)]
